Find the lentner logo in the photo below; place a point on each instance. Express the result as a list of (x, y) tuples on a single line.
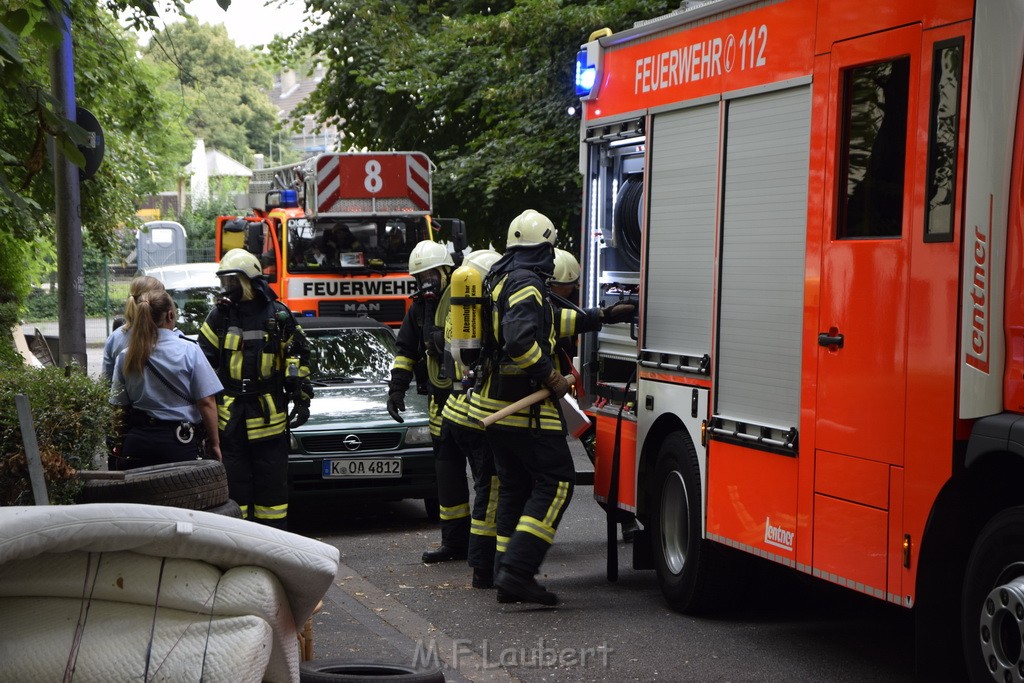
[(777, 536), (979, 288)]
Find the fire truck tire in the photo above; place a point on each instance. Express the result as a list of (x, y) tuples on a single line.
[(691, 570), (626, 220), (993, 600)]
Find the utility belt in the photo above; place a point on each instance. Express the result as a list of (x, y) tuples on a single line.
[(184, 431), (240, 388)]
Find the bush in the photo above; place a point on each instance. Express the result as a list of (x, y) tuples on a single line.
[(72, 419)]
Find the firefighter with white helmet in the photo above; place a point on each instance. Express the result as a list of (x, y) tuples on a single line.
[(462, 439), (421, 339), (534, 465), (261, 356)]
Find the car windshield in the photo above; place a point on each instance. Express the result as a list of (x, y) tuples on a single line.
[(350, 354)]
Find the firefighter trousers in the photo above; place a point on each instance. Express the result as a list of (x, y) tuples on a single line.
[(537, 478), (258, 476), (452, 489), (471, 445)]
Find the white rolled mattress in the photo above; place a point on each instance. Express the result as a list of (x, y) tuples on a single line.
[(123, 591)]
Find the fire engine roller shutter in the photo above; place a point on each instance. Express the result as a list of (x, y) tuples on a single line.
[(681, 234), (763, 251)]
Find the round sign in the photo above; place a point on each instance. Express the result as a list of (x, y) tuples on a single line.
[(93, 154)]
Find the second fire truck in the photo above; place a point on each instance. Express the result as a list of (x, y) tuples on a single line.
[(334, 232)]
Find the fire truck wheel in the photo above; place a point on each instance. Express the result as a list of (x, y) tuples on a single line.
[(689, 568), (626, 221), (993, 600)]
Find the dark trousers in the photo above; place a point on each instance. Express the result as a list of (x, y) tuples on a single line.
[(146, 445), (537, 478), (457, 446), (258, 476), (452, 489)]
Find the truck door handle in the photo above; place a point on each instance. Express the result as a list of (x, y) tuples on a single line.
[(832, 338)]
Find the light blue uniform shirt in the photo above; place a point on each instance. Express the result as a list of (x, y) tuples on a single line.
[(181, 363), (115, 344)]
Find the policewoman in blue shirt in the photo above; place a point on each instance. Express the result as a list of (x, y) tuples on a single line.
[(167, 389)]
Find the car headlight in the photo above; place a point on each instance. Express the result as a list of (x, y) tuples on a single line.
[(417, 435)]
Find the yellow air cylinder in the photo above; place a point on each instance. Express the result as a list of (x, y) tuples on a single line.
[(465, 315)]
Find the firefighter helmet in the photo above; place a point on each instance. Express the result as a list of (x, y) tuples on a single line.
[(427, 255), (239, 262), (482, 259), (567, 268), (530, 229)]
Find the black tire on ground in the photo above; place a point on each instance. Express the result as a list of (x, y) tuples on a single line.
[(345, 671), (193, 485), (993, 600), (228, 509), (626, 221), (694, 575), (433, 509)]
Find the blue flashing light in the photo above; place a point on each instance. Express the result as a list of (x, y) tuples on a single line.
[(289, 198), (586, 74)]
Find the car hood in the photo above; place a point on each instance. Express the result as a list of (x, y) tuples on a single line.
[(347, 406)]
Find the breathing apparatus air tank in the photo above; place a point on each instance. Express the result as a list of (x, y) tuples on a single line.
[(465, 315)]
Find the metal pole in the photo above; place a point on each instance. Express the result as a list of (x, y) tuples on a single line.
[(70, 280), (28, 437)]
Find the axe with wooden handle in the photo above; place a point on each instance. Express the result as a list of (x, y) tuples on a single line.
[(524, 402)]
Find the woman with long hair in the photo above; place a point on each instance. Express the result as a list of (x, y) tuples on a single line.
[(141, 286), (167, 390)]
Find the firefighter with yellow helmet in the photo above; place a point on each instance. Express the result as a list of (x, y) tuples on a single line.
[(462, 439), (262, 358), (421, 340)]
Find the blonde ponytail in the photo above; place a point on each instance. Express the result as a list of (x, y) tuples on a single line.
[(150, 310), (141, 287)]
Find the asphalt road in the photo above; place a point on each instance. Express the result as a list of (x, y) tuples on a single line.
[(386, 606)]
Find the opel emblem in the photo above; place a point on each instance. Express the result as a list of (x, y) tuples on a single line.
[(352, 442)]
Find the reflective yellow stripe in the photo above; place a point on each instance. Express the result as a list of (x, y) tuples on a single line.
[(403, 363), (482, 528), (531, 525), (501, 543), (233, 338), (257, 428), (532, 355), (567, 322), (524, 294), (303, 371), (455, 511), (235, 365), (224, 411), (557, 503), (272, 512), (245, 511), (210, 335)]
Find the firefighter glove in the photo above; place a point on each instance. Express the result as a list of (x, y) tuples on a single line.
[(396, 404), (299, 415), (618, 313), (556, 384)]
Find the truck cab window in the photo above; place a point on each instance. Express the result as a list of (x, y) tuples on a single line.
[(874, 150)]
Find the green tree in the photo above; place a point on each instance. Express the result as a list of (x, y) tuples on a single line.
[(223, 85), (482, 87)]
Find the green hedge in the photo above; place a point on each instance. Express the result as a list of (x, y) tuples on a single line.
[(72, 419)]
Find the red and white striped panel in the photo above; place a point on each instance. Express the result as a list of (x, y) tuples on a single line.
[(328, 182), (417, 173)]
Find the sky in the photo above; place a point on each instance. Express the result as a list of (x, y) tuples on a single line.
[(251, 22)]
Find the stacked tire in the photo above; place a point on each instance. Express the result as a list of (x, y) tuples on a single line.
[(192, 485)]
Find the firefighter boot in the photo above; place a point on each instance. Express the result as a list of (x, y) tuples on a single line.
[(517, 586), (443, 554), (483, 578)]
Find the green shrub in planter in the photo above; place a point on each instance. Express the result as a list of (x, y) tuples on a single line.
[(72, 419)]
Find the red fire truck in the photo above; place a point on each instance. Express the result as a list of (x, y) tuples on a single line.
[(334, 232), (817, 205)]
